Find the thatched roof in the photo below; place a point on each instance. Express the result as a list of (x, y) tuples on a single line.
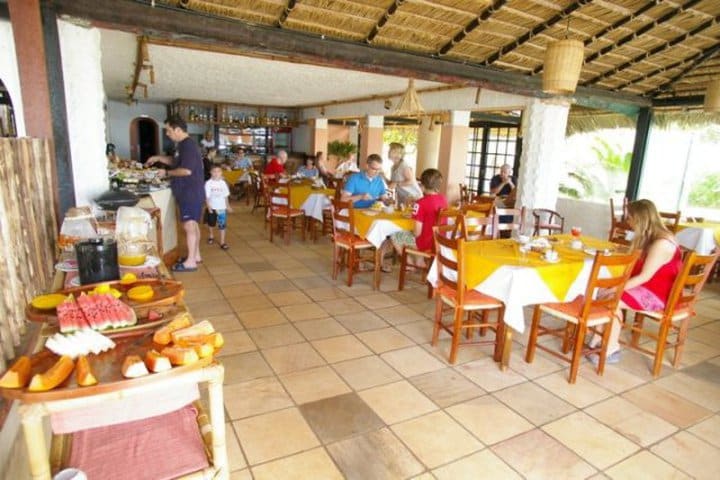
[(582, 120), (655, 48)]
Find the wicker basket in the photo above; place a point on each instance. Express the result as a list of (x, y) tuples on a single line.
[(563, 62), (712, 96)]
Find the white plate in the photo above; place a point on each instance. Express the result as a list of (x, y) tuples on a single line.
[(150, 261), (590, 251), (67, 266), (552, 261)]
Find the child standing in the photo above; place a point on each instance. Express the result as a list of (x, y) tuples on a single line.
[(216, 195)]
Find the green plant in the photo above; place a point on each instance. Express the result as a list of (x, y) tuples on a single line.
[(706, 193), (404, 135), (341, 149), (610, 158)]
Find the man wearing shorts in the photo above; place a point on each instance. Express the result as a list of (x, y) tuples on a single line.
[(188, 187)]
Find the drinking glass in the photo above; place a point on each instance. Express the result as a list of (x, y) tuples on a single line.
[(576, 232)]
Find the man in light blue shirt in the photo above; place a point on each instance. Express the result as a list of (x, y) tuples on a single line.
[(366, 187), (242, 162)]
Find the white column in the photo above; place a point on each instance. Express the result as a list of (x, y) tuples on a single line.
[(543, 128), (428, 145)]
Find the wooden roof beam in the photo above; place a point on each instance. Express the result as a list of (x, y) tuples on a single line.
[(383, 20), (656, 50), (539, 28), (286, 12), (706, 55), (472, 25), (645, 28)]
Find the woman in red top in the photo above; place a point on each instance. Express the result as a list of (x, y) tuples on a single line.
[(654, 273)]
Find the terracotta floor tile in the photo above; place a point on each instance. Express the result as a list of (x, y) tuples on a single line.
[(366, 372), (340, 417), (266, 275), (315, 464), (275, 286), (275, 336), (246, 366), (292, 358), (225, 323), (488, 419), (580, 394), (320, 328), (691, 455), (360, 321), (250, 303), (553, 460), (469, 468), (534, 403), (436, 439), (211, 308), (644, 465), (321, 294), (312, 282), (398, 314), (306, 311), (236, 341), (377, 300), (486, 373), (704, 393), (384, 339), (708, 430), (707, 371), (313, 384), (412, 361), (542, 365), (241, 475), (590, 439), (257, 396), (300, 272), (397, 401), (337, 349), (341, 306), (290, 297), (615, 378), (446, 387), (667, 405), (624, 417), (204, 294), (236, 459), (420, 331), (390, 458), (256, 266), (261, 318), (274, 435)]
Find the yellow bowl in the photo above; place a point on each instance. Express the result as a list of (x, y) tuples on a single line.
[(47, 302), (132, 260)]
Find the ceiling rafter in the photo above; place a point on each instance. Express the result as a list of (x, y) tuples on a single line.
[(645, 28), (440, 6), (391, 10), (472, 25), (656, 50), (706, 55), (286, 12), (539, 28)]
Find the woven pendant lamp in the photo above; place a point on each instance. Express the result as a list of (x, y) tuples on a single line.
[(712, 96), (563, 62), (410, 103)]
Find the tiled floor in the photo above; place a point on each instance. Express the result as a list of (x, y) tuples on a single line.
[(325, 381)]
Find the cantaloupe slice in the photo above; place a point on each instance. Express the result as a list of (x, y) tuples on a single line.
[(156, 362), (180, 355), (162, 335), (53, 377), (198, 330), (83, 372), (18, 375), (134, 367)]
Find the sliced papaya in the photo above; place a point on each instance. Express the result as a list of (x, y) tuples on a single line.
[(18, 374), (180, 355), (134, 367), (53, 377), (156, 362), (47, 302), (162, 335), (198, 330), (83, 372), (141, 293)]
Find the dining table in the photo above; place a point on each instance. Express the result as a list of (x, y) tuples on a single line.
[(305, 196), (376, 225), (702, 237), (499, 268), (234, 176)]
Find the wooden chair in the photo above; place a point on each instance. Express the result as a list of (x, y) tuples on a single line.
[(474, 228), (478, 208), (546, 219), (452, 293), (327, 223), (283, 216), (464, 194), (257, 187), (671, 220), (619, 231), (584, 313), (676, 316), (347, 245), (502, 227), (619, 213)]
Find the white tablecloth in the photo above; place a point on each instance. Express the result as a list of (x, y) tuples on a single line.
[(700, 239), (314, 205)]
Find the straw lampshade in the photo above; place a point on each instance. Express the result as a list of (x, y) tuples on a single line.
[(563, 62), (410, 103), (712, 96)]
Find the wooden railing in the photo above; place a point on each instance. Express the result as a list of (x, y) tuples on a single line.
[(28, 229)]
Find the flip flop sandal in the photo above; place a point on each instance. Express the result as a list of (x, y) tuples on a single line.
[(180, 267), (182, 260), (225, 246), (210, 241)]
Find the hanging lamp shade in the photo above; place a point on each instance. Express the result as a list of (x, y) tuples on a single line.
[(712, 96), (410, 103), (563, 62)]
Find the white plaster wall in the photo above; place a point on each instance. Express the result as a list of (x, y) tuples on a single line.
[(9, 73), (84, 96), (120, 114), (592, 217), (301, 138)]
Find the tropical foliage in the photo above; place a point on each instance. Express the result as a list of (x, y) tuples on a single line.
[(341, 149), (706, 193)]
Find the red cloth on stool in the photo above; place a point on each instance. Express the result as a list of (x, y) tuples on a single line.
[(162, 447)]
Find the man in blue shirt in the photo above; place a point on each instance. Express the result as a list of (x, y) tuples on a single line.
[(367, 187)]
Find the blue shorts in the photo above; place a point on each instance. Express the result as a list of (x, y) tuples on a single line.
[(216, 218), (190, 210)]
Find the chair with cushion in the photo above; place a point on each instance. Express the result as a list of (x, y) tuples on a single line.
[(546, 219), (671, 220), (583, 313), (470, 309), (283, 216), (675, 318), (347, 246)]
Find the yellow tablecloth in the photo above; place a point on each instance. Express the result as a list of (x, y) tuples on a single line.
[(300, 193), (232, 176), (363, 221)]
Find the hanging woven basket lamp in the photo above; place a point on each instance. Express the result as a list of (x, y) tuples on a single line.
[(563, 62), (409, 104), (712, 96)]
